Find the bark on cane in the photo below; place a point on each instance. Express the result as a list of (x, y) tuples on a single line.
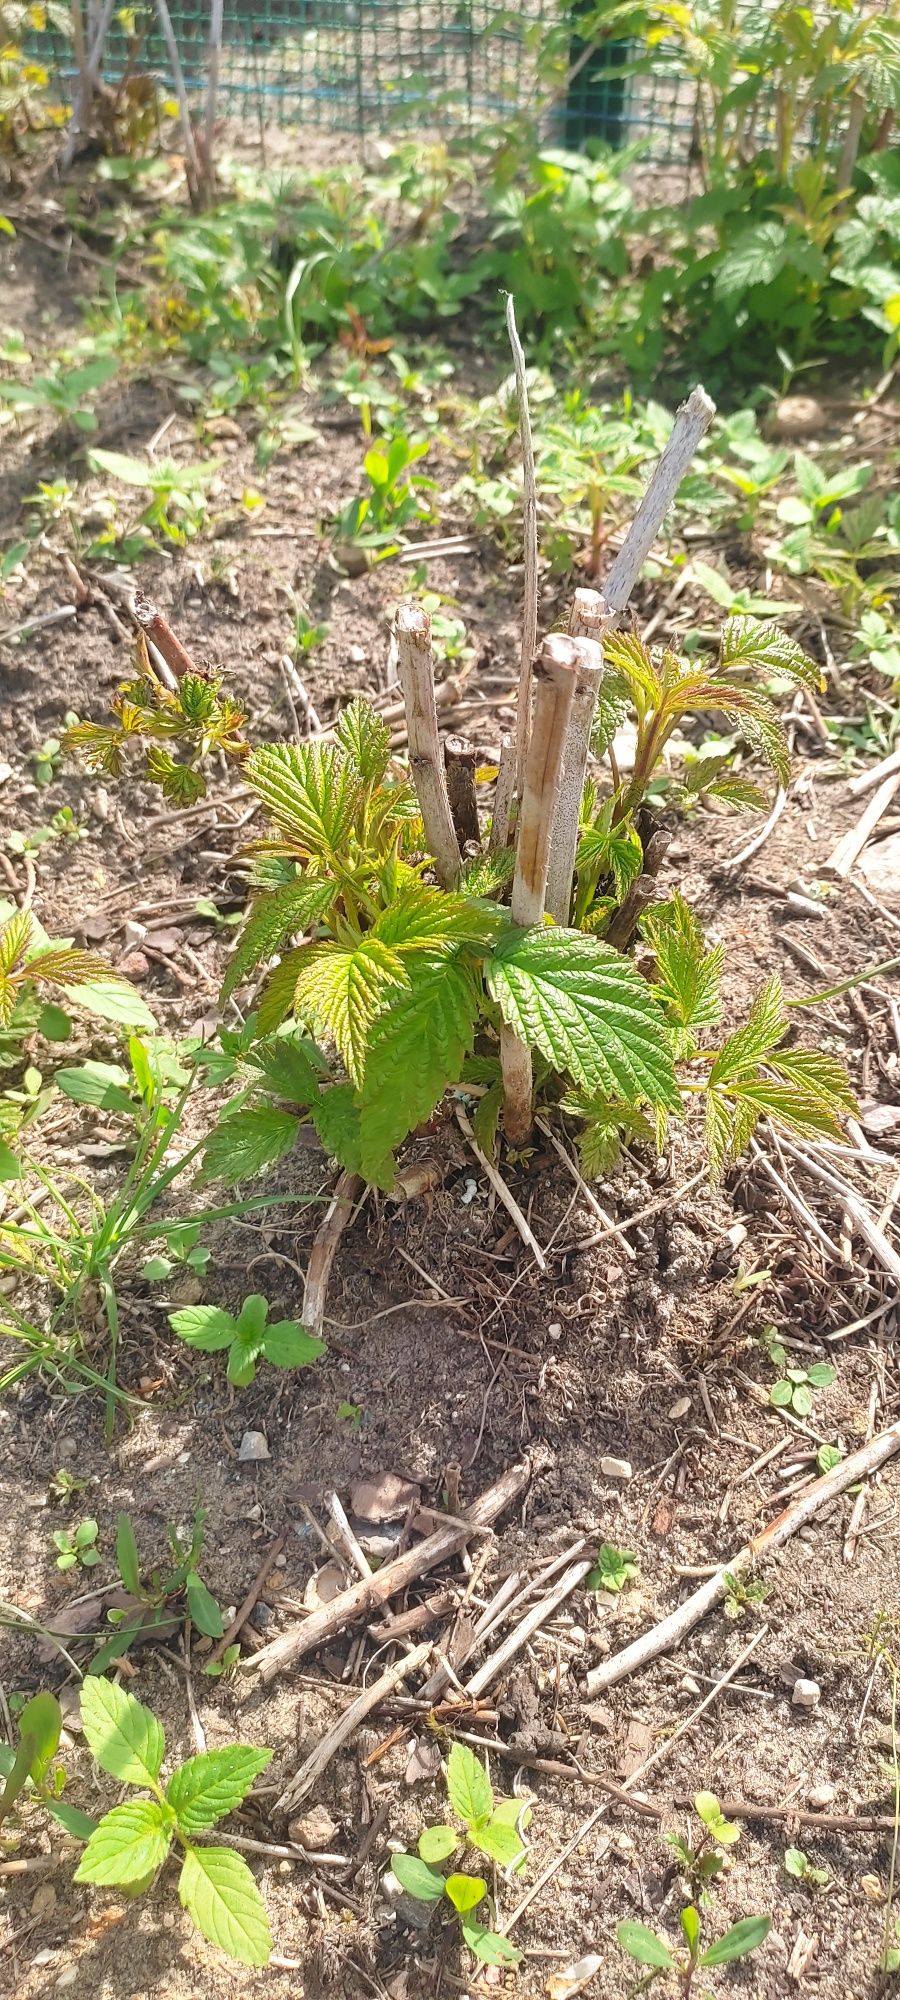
[(504, 794), (459, 760), (415, 667), (564, 840), (555, 682)]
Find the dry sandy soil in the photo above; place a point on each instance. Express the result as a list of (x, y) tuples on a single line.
[(653, 1358)]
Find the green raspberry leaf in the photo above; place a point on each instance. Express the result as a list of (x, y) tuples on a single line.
[(125, 1737), (207, 1787), (588, 1011), (219, 1893)]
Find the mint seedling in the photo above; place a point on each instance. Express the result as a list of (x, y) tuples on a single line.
[(492, 1828), (613, 1569), (129, 1845), (248, 1338)]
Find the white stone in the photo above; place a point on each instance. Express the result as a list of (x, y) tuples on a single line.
[(616, 1468), (807, 1694), (253, 1447)]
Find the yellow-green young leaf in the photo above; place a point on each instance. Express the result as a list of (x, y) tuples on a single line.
[(219, 1893), (434, 921), (248, 1142), (436, 1842), (207, 1787), (497, 1840), (765, 1026), (343, 991), (468, 1785), (129, 1844), (630, 658), (687, 980), (365, 740), (311, 793), (14, 937), (277, 997), (125, 1737), (273, 917), (588, 1011), (9, 994), (67, 966), (417, 1050), (465, 1891), (643, 1945)]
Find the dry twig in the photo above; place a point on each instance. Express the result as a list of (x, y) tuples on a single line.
[(311, 1770)]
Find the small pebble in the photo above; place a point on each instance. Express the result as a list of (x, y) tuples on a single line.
[(315, 1828), (615, 1468), (821, 1797), (689, 1685), (253, 1446), (66, 1978), (554, 1332), (807, 1694), (680, 1409)]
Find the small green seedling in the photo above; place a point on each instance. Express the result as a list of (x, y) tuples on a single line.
[(248, 1338), (184, 1248), (827, 1457), (699, 1860), (646, 1948), (157, 1596), (129, 1846), (798, 1865), (739, 1596), (63, 1485), (27, 1768), (794, 1388), (492, 1828), (216, 1669), (79, 1546), (613, 1569), (44, 760)]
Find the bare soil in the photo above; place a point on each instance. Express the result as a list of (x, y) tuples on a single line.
[(447, 1349)]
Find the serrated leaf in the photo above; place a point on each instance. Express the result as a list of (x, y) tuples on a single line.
[(129, 1844), (286, 1344), (248, 1142), (125, 1737), (202, 1608), (310, 792), (643, 1945), (468, 1785), (128, 1562), (488, 1946), (465, 1892), (610, 712), (365, 740), (500, 1842), (614, 851), (486, 873), (416, 1051), (437, 1842), (343, 990), (631, 660), (753, 642), (290, 1066), (743, 1938), (486, 1118), (207, 1787), (219, 1893), (14, 938), (586, 1009), (430, 920), (687, 971), (415, 1876), (763, 1029), (273, 917), (208, 1328), (335, 1115)]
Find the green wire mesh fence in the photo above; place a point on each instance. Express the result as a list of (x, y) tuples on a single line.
[(369, 66)]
